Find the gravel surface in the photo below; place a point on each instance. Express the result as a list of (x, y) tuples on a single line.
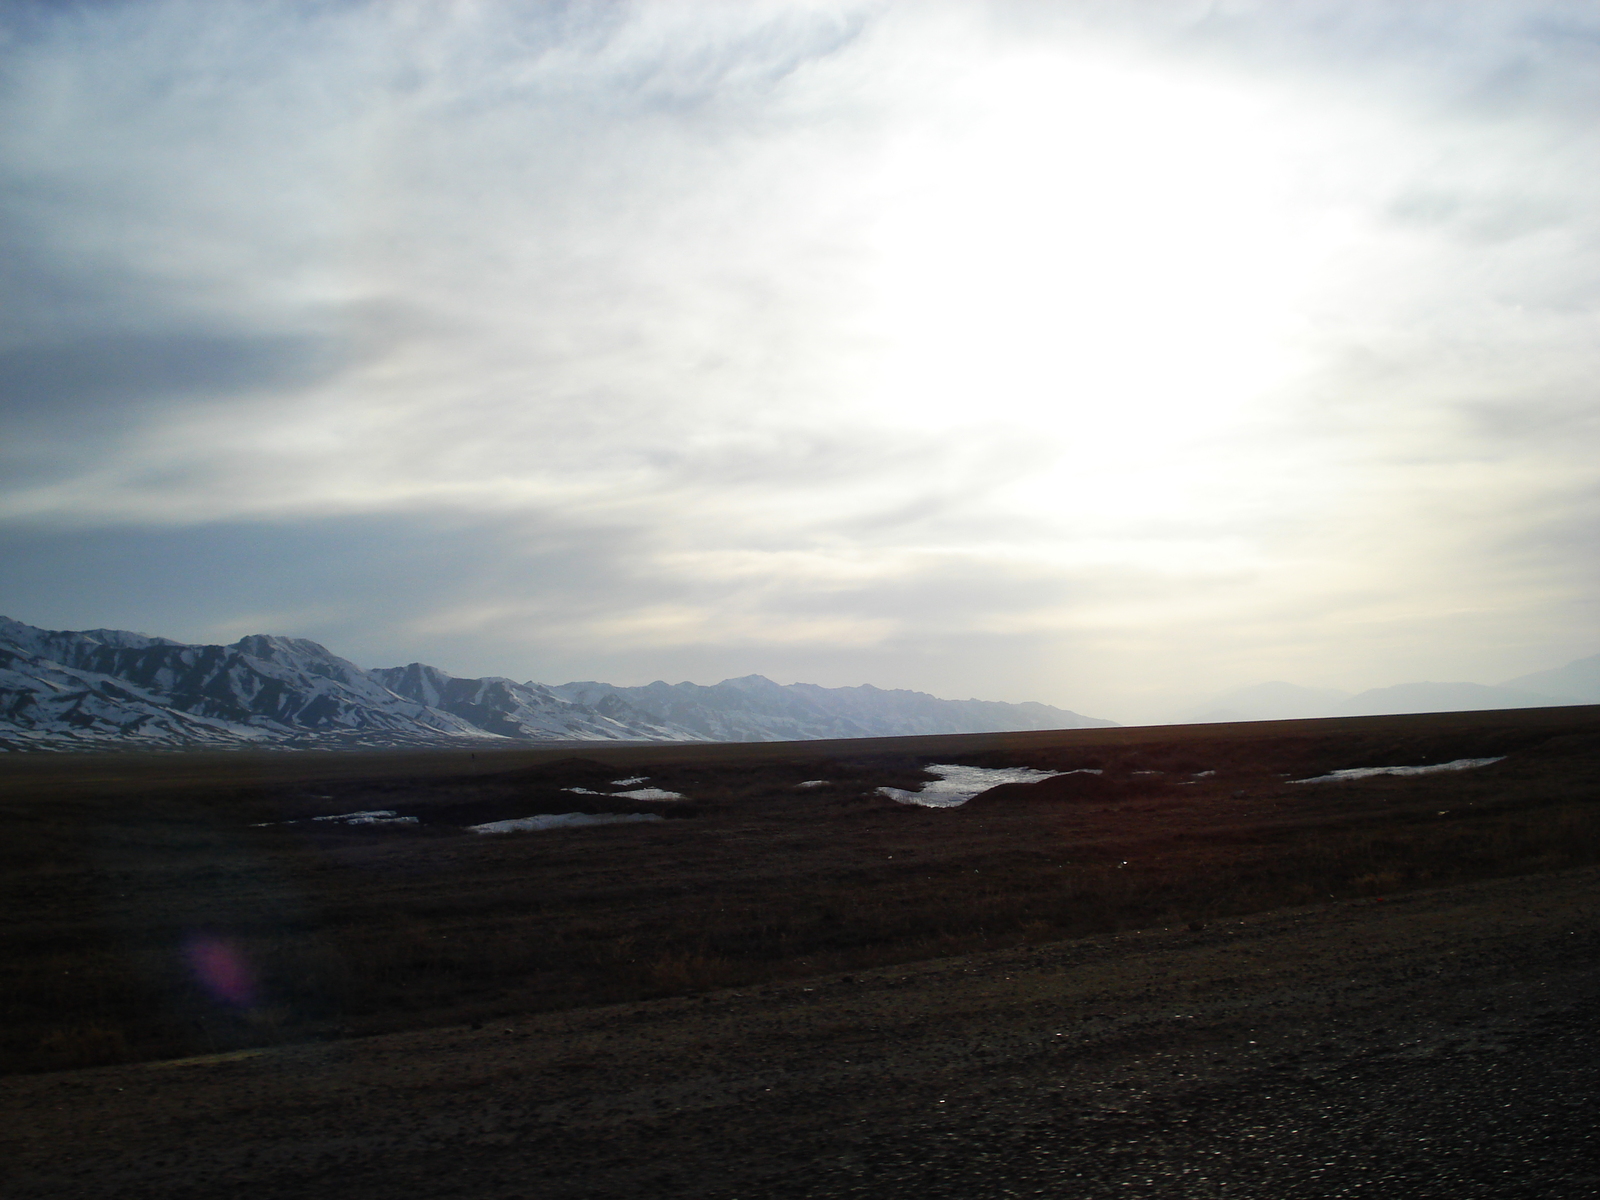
[(1440, 1044)]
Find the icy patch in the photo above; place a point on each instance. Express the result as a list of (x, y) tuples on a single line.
[(956, 785), (1460, 764), (629, 782), (560, 821), (648, 794), (376, 816), (812, 783), (585, 791)]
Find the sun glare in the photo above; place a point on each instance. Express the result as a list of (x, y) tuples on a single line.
[(1100, 254)]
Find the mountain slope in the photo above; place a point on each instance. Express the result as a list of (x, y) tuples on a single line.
[(1276, 701), (1578, 680), (755, 709), (43, 703), (61, 689), (1576, 683), (524, 710), (113, 685), (1443, 697)]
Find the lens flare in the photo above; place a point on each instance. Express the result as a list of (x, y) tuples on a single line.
[(221, 968)]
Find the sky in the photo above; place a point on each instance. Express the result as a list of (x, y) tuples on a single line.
[(1100, 354)]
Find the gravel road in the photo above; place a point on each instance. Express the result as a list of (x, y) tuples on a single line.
[(1440, 1044)]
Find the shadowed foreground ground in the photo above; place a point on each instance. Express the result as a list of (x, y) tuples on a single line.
[(1441, 1044), (122, 877), (1057, 989)]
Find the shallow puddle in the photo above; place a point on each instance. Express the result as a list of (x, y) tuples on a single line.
[(956, 784), (1460, 764), (560, 821)]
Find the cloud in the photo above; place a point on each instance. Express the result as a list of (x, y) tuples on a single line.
[(1085, 351), (117, 373)]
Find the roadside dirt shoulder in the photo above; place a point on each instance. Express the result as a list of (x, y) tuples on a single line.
[(1108, 1057)]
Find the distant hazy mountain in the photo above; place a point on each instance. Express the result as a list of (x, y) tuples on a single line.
[(1576, 683), (1444, 697), (1275, 701), (1577, 680), (754, 709), (63, 690)]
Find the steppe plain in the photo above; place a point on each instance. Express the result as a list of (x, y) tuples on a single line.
[(1184, 976)]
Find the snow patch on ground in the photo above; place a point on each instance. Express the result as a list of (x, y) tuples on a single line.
[(812, 783), (560, 821), (648, 794), (956, 785), (376, 816), (1460, 764), (629, 782)]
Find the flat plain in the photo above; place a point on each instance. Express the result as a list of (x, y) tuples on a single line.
[(1097, 983)]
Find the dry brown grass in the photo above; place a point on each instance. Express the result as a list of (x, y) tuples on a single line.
[(113, 874)]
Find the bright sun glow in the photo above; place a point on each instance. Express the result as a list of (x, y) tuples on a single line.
[(1101, 255)]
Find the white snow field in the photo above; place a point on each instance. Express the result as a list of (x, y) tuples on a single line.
[(956, 785), (376, 816), (560, 821), (1459, 764)]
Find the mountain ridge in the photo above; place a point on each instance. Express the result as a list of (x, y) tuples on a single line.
[(1577, 682), (62, 689)]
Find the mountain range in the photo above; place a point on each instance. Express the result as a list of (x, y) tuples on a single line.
[(1576, 683), (111, 688)]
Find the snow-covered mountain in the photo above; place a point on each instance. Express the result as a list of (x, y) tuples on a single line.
[(110, 686), (755, 709), (525, 711), (64, 690)]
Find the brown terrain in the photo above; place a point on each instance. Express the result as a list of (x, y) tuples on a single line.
[(1184, 976)]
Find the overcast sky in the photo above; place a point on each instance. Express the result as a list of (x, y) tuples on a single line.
[(1102, 354)]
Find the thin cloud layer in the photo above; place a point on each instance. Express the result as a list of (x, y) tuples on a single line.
[(1096, 354)]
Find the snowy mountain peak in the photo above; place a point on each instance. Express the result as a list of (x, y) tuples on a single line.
[(299, 653), (270, 646), (41, 640), (746, 683), (61, 689)]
